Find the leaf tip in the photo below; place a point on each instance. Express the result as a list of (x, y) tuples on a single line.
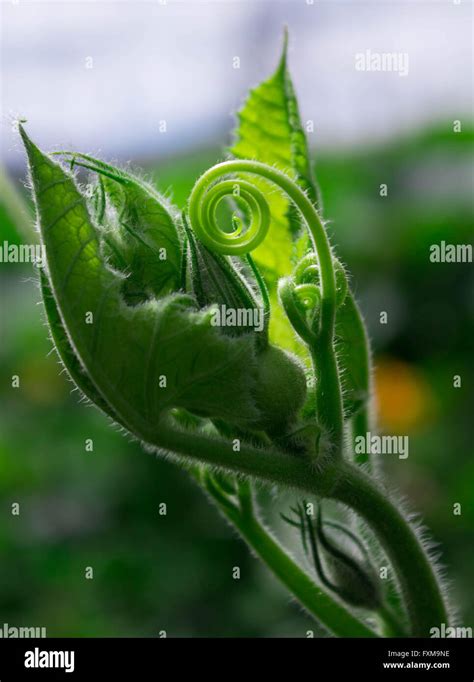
[(282, 65), (30, 147), (22, 131)]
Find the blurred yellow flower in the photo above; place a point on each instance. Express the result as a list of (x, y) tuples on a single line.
[(403, 397)]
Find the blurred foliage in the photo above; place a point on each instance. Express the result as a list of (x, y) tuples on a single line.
[(101, 508)]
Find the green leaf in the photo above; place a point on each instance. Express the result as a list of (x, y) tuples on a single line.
[(66, 352), (270, 131), (146, 359), (352, 356), (142, 238)]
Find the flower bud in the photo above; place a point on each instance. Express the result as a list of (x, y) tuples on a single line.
[(280, 390), (214, 279), (350, 573), (347, 571)]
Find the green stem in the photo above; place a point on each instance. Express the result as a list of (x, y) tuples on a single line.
[(338, 620), (344, 483), (270, 466), (328, 403), (422, 593)]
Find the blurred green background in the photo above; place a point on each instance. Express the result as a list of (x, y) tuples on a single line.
[(101, 508)]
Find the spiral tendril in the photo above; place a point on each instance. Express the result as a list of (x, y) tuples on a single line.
[(215, 184), (308, 295), (238, 241), (307, 270)]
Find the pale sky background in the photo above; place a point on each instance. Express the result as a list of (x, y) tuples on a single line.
[(173, 61)]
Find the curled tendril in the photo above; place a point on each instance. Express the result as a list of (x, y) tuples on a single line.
[(203, 216), (307, 272), (214, 185), (300, 296), (295, 311), (308, 295)]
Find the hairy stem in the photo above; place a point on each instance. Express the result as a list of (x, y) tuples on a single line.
[(335, 618), (421, 592), (325, 366)]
